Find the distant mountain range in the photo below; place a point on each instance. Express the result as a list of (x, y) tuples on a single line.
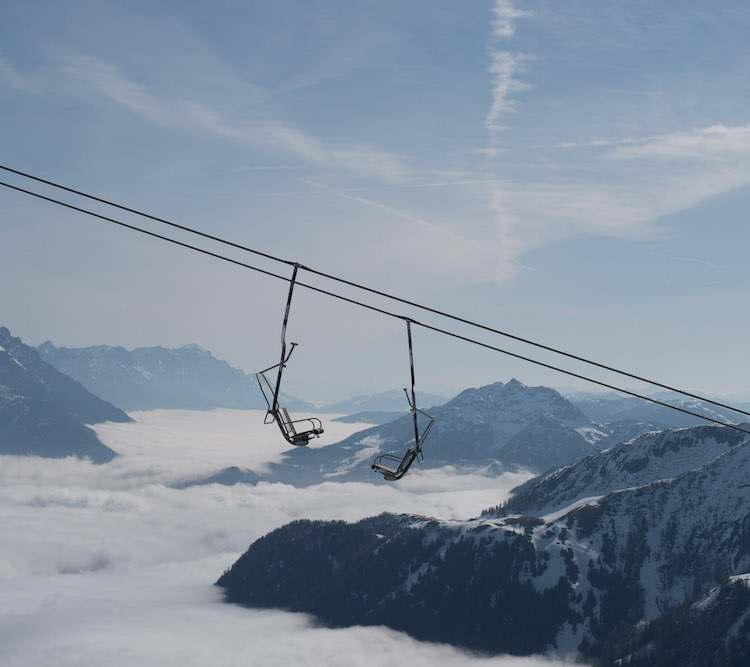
[(370, 417), (147, 378), (611, 407), (636, 555), (44, 412), (386, 401)]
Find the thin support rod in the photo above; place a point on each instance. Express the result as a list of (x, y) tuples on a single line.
[(413, 401), (283, 339)]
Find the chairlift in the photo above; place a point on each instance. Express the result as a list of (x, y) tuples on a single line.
[(289, 427), (393, 466)]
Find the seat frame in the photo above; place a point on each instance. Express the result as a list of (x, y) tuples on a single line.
[(384, 464), (275, 412)]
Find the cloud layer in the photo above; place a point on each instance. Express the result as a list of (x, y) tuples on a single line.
[(106, 565)]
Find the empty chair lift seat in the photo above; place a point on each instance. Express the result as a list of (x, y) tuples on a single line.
[(287, 426), (394, 467)]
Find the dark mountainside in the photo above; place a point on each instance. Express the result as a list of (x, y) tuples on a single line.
[(583, 578), (43, 412), (148, 378), (713, 629)]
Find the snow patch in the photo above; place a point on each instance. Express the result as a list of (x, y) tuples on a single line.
[(554, 516)]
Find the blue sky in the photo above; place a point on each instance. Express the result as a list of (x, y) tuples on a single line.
[(577, 173)]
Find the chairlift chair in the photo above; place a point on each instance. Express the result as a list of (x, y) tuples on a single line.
[(393, 466), (289, 428)]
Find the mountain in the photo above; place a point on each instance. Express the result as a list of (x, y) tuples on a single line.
[(44, 412), (533, 427), (712, 629), (611, 407), (476, 426), (580, 581), (367, 417), (387, 401), (490, 428), (647, 458), (147, 378)]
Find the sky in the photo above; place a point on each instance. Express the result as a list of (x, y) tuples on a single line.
[(108, 564), (575, 173)]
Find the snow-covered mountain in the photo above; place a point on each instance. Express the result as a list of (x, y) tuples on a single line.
[(147, 378), (649, 457), (510, 424), (44, 412), (580, 580)]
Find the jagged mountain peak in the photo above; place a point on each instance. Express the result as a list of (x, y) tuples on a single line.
[(499, 390), (507, 408)]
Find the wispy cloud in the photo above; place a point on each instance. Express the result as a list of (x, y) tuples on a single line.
[(688, 260), (504, 68), (396, 213), (258, 132), (531, 215), (633, 189), (506, 14), (713, 141), (505, 64), (11, 77), (700, 142), (466, 258)]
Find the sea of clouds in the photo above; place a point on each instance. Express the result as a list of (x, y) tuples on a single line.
[(111, 564)]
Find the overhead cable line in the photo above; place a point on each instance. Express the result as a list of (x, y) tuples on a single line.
[(372, 290), (144, 215), (376, 309)]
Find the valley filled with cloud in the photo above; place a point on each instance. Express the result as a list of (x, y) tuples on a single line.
[(112, 564)]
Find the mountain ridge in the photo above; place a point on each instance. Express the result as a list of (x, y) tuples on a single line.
[(44, 412), (148, 378)]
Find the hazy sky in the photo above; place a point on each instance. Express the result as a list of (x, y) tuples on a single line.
[(574, 172)]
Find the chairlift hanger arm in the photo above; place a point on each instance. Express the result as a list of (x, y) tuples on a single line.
[(270, 368), (413, 401), (275, 412), (284, 356), (392, 466)]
